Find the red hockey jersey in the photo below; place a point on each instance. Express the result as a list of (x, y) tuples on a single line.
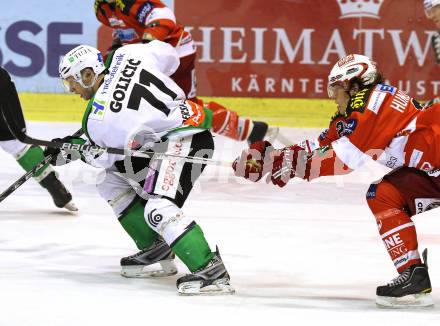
[(134, 21), (382, 123)]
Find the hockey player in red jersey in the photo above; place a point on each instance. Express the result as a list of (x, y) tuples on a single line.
[(379, 122), (135, 21), (29, 156)]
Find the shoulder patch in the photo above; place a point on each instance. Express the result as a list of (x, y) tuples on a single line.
[(376, 100), (386, 89)]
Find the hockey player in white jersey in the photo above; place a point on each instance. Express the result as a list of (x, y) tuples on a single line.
[(134, 104)]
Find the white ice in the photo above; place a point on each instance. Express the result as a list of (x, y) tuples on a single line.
[(307, 254)]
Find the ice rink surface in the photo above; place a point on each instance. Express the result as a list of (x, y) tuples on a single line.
[(307, 254)]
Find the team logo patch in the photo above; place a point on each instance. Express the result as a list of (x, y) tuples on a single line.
[(346, 128), (154, 219), (98, 110)]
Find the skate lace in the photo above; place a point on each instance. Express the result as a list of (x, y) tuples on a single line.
[(402, 278)]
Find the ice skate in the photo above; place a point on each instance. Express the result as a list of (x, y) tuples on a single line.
[(154, 261), (411, 288), (213, 279), (62, 198)]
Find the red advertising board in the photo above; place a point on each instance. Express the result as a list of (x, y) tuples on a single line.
[(287, 48)]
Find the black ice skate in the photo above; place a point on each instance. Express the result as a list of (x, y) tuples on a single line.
[(62, 198), (154, 261), (411, 288), (209, 280)]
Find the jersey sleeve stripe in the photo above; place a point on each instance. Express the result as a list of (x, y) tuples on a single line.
[(348, 153)]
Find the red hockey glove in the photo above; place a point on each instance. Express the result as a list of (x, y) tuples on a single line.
[(250, 164), (285, 163)]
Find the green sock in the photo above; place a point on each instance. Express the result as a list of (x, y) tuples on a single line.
[(134, 223), (32, 157), (193, 249)]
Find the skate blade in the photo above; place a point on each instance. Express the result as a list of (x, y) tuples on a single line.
[(166, 268), (219, 287), (71, 207), (409, 301)]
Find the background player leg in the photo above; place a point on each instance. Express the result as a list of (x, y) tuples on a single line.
[(28, 156), (225, 122)]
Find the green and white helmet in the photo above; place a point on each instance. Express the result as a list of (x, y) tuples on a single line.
[(76, 60)]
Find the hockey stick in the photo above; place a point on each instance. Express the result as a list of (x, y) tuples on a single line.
[(29, 174), (20, 133)]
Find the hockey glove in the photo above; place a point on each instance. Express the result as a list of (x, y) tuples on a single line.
[(252, 161), (285, 163), (62, 156)]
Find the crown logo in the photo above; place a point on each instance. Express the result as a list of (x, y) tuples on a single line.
[(360, 8)]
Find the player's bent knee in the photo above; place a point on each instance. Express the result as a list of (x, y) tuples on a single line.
[(118, 196), (165, 218)]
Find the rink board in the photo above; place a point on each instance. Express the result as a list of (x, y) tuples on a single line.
[(289, 112)]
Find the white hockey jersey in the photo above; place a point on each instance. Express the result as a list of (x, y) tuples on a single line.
[(137, 103)]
